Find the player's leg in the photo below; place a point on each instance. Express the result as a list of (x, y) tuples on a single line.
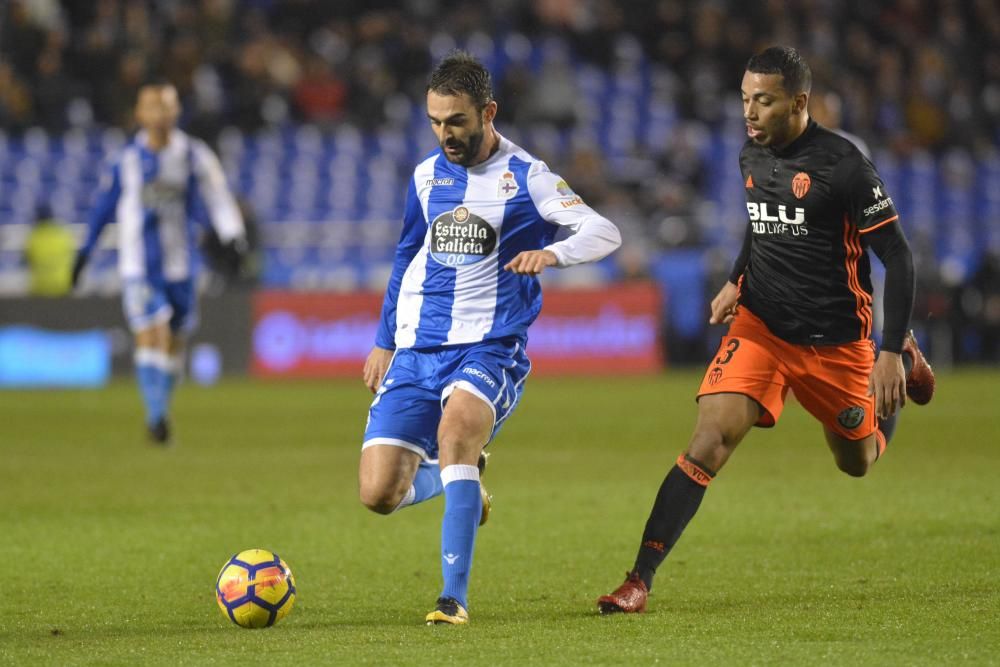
[(481, 393), (855, 457), (387, 476), (465, 429), (175, 365), (831, 383), (151, 364), (723, 421), (743, 386), (148, 313), (397, 467), (182, 297)]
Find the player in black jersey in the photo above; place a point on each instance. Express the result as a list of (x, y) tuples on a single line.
[(798, 302)]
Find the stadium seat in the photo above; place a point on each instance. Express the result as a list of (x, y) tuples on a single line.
[(336, 195)]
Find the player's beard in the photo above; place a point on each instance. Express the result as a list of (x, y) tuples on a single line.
[(470, 148), (777, 132)]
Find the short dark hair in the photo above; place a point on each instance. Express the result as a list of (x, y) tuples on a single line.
[(786, 61), (460, 73)]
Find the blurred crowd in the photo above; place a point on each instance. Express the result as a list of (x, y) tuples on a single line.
[(910, 72), (907, 77), (903, 75)]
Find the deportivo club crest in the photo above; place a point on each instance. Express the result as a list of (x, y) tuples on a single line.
[(460, 237), (801, 184), (507, 187), (851, 418)]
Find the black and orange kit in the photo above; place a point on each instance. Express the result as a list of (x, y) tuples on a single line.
[(805, 304)]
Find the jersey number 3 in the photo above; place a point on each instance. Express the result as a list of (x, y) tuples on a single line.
[(731, 348)]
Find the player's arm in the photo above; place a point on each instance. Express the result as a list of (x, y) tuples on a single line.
[(100, 215), (410, 241), (888, 380), (594, 236), (223, 212), (890, 246), (740, 265), (872, 210), (724, 303)]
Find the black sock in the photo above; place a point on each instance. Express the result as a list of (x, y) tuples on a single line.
[(677, 501), (888, 426)]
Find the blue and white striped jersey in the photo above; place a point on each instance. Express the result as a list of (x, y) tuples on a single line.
[(460, 227), (152, 195)]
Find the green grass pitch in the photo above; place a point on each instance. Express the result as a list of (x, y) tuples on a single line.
[(111, 546)]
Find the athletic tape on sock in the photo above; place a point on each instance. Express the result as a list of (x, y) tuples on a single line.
[(148, 356), (454, 473), (693, 470)]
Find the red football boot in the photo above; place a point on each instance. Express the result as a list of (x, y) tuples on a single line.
[(920, 381), (629, 598)]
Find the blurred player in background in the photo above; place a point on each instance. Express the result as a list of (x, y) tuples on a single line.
[(798, 303), (449, 362), (152, 192), (825, 108), (49, 252)]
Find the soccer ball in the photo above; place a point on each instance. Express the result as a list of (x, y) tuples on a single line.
[(255, 589)]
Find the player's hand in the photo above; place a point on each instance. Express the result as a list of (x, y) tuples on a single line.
[(233, 254), (888, 383), (375, 367), (532, 262), (79, 262), (724, 304)]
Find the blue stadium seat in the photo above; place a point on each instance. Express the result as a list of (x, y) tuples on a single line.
[(347, 187)]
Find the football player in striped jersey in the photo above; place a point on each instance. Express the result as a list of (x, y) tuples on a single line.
[(152, 191), (450, 359)]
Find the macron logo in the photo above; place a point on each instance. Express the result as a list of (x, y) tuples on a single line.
[(451, 558), (475, 372)]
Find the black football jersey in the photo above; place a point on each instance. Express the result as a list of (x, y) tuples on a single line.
[(810, 205)]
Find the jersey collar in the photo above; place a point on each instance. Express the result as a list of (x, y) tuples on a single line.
[(793, 147), (174, 139)]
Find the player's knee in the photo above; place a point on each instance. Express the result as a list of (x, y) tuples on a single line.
[(380, 499), (712, 444), (854, 460), (855, 466), (723, 421)]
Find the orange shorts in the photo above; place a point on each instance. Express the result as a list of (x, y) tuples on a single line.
[(830, 381)]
